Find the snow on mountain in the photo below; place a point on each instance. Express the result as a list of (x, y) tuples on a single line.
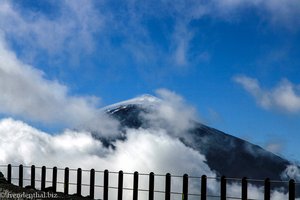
[(145, 100)]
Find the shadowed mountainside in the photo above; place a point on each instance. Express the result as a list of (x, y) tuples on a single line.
[(225, 154)]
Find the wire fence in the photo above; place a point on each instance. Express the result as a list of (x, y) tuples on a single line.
[(167, 187)]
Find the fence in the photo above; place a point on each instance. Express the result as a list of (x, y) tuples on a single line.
[(184, 193)]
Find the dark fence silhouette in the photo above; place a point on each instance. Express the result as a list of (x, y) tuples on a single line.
[(135, 189)]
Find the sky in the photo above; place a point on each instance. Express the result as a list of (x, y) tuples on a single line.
[(236, 62)]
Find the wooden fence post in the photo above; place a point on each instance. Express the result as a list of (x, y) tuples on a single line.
[(185, 187), (54, 179), (135, 185), (92, 183), (223, 188), (32, 173), (120, 185), (267, 194), (203, 187), (79, 181), (21, 175), (9, 173), (151, 186), (168, 187), (291, 189), (106, 182), (66, 184), (43, 178), (244, 189)]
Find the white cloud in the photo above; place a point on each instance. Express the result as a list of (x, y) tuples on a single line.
[(291, 172), (26, 93), (172, 113), (275, 12), (274, 147), (278, 13), (285, 13), (285, 96), (70, 32), (182, 37), (144, 150)]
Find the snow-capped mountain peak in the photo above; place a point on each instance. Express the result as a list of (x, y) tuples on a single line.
[(225, 154), (145, 100)]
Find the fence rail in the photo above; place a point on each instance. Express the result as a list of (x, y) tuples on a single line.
[(135, 189)]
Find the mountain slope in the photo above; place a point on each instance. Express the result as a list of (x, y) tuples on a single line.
[(225, 154)]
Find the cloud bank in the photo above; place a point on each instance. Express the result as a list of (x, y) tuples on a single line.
[(26, 93), (284, 97), (144, 150)]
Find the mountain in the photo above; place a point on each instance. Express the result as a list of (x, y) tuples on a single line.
[(226, 155)]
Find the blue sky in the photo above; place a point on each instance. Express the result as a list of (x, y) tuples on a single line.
[(237, 62)]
